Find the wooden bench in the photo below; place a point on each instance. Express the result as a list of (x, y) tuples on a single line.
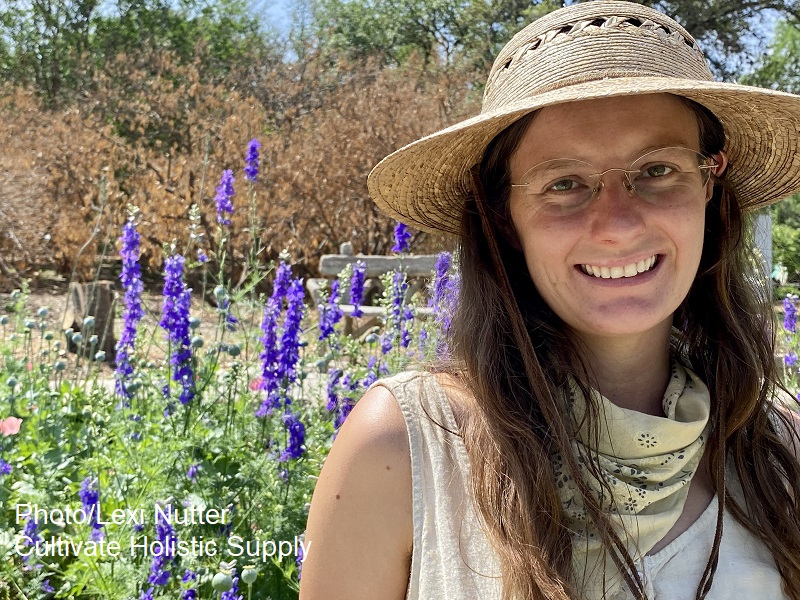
[(418, 269)]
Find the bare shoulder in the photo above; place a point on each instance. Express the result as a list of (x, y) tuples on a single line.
[(360, 526)]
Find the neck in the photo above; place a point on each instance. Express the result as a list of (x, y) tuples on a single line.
[(631, 371)]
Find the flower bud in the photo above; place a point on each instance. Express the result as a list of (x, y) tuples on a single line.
[(93, 340), (197, 342), (249, 575), (48, 335), (222, 582), (60, 365), (194, 323), (234, 350), (219, 292), (29, 323), (100, 356), (77, 338), (42, 312), (11, 382), (88, 322), (4, 320)]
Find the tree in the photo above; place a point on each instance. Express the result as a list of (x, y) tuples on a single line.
[(779, 67)]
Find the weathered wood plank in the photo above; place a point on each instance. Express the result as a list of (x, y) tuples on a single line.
[(422, 265)]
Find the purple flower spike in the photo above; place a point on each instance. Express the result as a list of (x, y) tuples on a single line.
[(252, 161), (402, 236), (331, 313), (357, 288), (289, 354), (233, 593), (223, 198), (131, 280), (789, 315), (175, 320), (90, 498), (297, 434)]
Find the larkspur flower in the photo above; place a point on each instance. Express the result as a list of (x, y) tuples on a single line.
[(159, 568), (223, 198), (334, 375), (371, 376), (148, 595), (289, 355), (357, 287), (402, 237), (230, 320), (278, 358), (297, 434), (789, 315), (252, 161), (790, 360), (202, 257), (31, 537), (90, 498), (130, 278), (192, 472), (299, 562), (330, 313), (233, 593), (175, 320), (46, 587)]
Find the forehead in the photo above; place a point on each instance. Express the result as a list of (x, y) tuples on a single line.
[(607, 130)]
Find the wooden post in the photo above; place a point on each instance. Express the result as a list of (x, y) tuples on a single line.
[(96, 300)]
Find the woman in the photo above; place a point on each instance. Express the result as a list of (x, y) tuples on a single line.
[(608, 426)]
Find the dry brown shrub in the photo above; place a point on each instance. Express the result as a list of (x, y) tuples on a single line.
[(150, 133)]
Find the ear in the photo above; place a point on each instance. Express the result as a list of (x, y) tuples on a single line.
[(721, 158)]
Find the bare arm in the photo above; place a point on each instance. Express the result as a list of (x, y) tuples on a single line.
[(360, 527)]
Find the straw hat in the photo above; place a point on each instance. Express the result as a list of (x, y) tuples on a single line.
[(584, 51)]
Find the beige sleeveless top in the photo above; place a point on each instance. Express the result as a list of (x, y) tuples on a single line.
[(453, 560)]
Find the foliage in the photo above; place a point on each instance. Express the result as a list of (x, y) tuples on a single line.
[(779, 68), (58, 46), (79, 445), (153, 137), (786, 248)]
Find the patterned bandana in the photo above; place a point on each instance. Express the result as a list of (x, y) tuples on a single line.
[(648, 462)]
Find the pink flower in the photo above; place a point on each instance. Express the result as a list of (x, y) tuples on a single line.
[(10, 425), (256, 384)]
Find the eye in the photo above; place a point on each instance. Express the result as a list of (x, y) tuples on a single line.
[(565, 185), (656, 171)]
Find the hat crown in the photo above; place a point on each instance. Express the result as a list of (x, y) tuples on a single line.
[(588, 42)]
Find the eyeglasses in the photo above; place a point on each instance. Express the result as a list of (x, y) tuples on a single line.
[(664, 177)]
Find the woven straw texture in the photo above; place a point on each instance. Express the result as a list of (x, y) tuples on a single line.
[(582, 52)]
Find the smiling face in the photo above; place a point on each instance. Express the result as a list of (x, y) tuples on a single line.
[(583, 261)]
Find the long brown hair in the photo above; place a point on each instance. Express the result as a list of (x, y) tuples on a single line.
[(514, 356)]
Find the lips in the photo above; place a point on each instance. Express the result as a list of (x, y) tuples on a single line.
[(623, 271)]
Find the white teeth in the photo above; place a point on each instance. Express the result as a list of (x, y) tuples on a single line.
[(630, 270)]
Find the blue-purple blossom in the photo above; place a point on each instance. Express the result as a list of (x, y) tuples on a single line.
[(278, 359), (789, 315), (790, 360), (233, 593), (334, 375), (330, 313), (148, 595), (189, 577), (202, 257), (225, 307), (175, 320), (299, 561), (371, 377), (32, 537), (297, 434), (192, 472), (357, 287), (131, 280), (5, 468), (289, 355), (402, 237), (159, 568), (223, 198), (251, 161), (90, 498), (443, 301), (46, 587)]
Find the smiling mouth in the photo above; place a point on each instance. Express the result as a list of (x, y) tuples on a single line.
[(631, 270)]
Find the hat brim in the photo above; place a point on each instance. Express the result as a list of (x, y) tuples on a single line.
[(425, 183)]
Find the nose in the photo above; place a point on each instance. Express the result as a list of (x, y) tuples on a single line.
[(616, 212)]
